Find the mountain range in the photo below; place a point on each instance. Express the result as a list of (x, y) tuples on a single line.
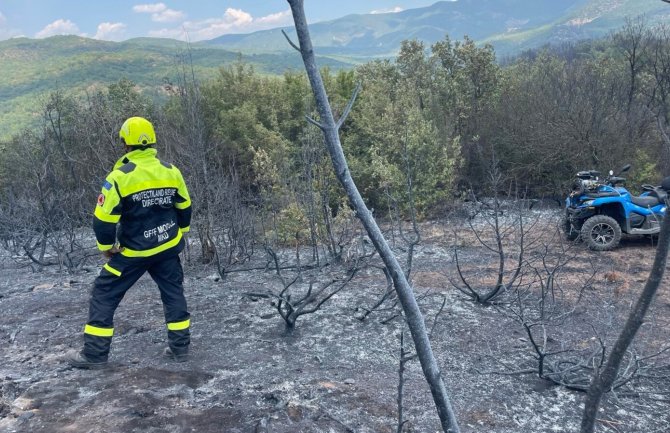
[(509, 25), (30, 68)]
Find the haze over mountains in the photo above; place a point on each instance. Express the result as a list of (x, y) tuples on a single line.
[(29, 68)]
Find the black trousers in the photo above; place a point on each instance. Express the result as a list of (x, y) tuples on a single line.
[(116, 277)]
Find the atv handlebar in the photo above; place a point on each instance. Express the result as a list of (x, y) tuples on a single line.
[(615, 180)]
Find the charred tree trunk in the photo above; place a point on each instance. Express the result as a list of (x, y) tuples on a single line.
[(603, 380), (330, 130)]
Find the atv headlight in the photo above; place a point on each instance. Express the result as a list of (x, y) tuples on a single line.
[(587, 203)]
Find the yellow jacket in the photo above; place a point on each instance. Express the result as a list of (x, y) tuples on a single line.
[(149, 200)]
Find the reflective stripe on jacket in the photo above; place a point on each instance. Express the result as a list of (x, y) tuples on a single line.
[(149, 199)]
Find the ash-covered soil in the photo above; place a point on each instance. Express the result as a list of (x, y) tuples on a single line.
[(334, 372)]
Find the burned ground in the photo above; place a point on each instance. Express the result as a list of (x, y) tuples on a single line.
[(334, 372)]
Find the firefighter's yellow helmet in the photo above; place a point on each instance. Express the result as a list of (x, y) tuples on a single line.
[(137, 131)]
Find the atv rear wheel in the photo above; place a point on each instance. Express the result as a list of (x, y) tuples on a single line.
[(601, 233)]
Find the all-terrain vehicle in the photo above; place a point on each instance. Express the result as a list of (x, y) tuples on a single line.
[(599, 210)]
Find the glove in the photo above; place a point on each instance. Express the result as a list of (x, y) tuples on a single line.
[(114, 250)]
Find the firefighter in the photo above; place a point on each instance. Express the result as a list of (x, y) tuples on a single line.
[(142, 213)]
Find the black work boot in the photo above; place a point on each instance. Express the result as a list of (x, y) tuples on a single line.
[(79, 360), (178, 357)]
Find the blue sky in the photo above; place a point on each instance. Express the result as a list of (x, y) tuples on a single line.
[(179, 19)]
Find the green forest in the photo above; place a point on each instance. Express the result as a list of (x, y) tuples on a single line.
[(79, 66), (441, 119)]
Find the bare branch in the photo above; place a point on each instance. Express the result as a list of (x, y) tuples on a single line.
[(347, 110), (432, 328), (291, 43), (315, 123)]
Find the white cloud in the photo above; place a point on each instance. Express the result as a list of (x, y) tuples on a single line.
[(232, 21), (278, 19), (168, 16), (58, 27), (160, 13), (150, 8), (110, 31), (393, 10)]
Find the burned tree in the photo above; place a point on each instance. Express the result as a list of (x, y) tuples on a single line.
[(188, 138), (503, 233), (330, 130), (604, 378), (51, 193), (543, 305), (294, 301)]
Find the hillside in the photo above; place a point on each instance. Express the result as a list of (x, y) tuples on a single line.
[(30, 68), (510, 25), (596, 19)]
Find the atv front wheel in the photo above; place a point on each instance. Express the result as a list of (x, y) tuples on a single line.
[(601, 233)]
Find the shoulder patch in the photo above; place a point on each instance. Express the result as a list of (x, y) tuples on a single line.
[(101, 199), (127, 167), (107, 185)]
